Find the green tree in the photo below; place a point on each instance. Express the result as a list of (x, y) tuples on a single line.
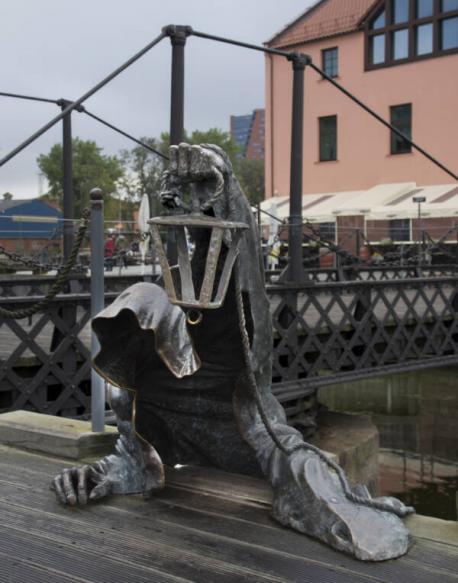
[(7, 196), (142, 171), (91, 168), (251, 177)]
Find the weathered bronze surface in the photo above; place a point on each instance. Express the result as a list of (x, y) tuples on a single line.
[(201, 395)]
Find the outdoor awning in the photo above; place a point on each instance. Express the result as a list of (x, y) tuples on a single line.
[(381, 202)]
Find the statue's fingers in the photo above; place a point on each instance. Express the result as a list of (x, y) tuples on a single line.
[(183, 160), (68, 488), (101, 490), (173, 162), (56, 485), (195, 163), (207, 163), (82, 476)]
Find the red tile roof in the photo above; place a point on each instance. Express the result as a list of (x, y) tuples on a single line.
[(325, 18)]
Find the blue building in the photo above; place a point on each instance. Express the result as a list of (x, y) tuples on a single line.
[(240, 130), (27, 224), (249, 133)]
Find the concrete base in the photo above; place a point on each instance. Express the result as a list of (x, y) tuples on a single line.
[(354, 441), (57, 436)]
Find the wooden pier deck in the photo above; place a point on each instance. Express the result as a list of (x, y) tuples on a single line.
[(205, 527)]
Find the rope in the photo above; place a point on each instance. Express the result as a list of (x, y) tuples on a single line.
[(60, 281), (377, 504)]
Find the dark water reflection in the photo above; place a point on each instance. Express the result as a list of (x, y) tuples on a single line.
[(416, 414)]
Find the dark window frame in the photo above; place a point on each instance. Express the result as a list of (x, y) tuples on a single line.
[(411, 25), (329, 49), (395, 140), (399, 228), (320, 139)]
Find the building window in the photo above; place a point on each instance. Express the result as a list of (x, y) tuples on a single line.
[(449, 34), (400, 11), (400, 230), (327, 231), (328, 138), (407, 30), (378, 49), (425, 8), (379, 21), (449, 5), (401, 119), (400, 48), (330, 61), (424, 39)]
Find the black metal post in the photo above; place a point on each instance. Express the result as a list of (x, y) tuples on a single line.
[(295, 269), (67, 165), (358, 243), (178, 35)]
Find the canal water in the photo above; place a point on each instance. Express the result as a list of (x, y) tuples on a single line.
[(416, 415)]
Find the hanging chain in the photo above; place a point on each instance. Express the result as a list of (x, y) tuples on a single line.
[(61, 279), (28, 261)]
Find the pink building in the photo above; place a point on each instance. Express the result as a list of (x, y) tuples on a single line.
[(398, 56)]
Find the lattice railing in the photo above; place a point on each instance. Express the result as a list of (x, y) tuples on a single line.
[(45, 359), (327, 333), (323, 333)]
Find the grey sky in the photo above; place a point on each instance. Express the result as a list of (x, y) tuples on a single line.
[(55, 49)]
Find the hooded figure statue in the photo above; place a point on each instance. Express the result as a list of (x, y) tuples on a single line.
[(198, 391)]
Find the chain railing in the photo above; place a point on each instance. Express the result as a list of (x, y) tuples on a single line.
[(61, 279)]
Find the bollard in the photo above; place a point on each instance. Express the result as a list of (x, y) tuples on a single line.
[(97, 304)]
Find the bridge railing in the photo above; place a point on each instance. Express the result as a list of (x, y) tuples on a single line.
[(324, 333)]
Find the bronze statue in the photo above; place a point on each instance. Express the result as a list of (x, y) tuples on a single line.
[(197, 391)]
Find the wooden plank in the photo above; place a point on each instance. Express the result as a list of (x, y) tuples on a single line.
[(200, 519), (58, 555), (189, 512)]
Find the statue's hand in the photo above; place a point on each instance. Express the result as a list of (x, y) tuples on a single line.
[(196, 163), (78, 485), (204, 166), (130, 470)]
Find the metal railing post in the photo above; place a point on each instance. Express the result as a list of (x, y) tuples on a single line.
[(178, 36), (67, 166), (296, 272), (97, 304)]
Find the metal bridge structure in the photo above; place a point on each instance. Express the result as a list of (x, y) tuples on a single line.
[(330, 325)]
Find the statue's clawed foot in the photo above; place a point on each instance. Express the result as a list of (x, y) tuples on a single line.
[(313, 501)]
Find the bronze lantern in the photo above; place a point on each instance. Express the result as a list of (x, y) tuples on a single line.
[(179, 283)]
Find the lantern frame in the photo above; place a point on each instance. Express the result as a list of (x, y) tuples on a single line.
[(187, 297)]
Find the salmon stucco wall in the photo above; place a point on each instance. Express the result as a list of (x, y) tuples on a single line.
[(363, 146)]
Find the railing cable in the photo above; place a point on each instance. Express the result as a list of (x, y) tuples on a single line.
[(80, 100), (28, 97), (123, 133)]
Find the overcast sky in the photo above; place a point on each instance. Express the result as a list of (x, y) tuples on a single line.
[(52, 48)]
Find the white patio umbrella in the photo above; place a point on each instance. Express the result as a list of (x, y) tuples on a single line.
[(143, 217)]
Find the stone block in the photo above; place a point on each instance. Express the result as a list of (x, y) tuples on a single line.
[(58, 436)]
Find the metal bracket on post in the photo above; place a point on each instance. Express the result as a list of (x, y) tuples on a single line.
[(295, 271), (97, 304)]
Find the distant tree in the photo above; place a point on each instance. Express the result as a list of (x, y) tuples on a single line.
[(91, 168), (142, 171), (251, 177), (7, 196)]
